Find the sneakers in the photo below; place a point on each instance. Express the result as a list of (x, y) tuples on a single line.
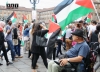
[(18, 56)]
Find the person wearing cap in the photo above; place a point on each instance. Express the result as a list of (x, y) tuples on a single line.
[(74, 54)]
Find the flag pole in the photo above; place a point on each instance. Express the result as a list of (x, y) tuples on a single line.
[(96, 11)]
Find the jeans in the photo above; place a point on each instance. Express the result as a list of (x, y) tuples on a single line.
[(17, 49), (11, 47), (25, 46), (59, 49)]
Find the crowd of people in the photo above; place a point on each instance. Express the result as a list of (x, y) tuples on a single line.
[(77, 38)]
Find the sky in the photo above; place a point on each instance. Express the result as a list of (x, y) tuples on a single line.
[(26, 3)]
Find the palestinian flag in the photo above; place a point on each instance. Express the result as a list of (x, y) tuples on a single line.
[(54, 19), (52, 35), (25, 20), (70, 10), (13, 17), (51, 43), (88, 18), (52, 28)]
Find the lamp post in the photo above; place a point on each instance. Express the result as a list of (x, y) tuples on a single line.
[(34, 2)]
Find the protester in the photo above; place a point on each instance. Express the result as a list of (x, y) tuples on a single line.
[(75, 54), (26, 38), (95, 36), (16, 41), (59, 43), (31, 39), (33, 21), (92, 28), (9, 38), (37, 50), (20, 28), (2, 46), (68, 36)]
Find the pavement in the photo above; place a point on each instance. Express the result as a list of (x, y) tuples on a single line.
[(23, 65)]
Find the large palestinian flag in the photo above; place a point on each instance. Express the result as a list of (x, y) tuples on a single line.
[(70, 10), (13, 17), (25, 20)]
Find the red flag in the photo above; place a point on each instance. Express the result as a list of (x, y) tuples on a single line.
[(53, 27), (85, 3), (89, 15)]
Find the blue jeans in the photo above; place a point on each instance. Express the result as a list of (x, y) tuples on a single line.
[(59, 49), (17, 49), (11, 47)]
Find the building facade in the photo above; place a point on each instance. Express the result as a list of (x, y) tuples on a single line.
[(96, 13), (4, 13), (44, 14)]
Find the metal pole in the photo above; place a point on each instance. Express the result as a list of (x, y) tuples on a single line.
[(96, 11), (34, 4)]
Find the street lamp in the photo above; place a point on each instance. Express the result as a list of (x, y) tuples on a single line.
[(34, 2)]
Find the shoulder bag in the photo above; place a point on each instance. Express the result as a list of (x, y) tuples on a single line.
[(41, 41)]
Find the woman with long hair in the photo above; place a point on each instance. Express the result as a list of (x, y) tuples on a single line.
[(26, 38), (2, 46), (31, 38), (38, 50)]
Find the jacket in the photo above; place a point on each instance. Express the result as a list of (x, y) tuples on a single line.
[(26, 32), (1, 40), (34, 48)]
